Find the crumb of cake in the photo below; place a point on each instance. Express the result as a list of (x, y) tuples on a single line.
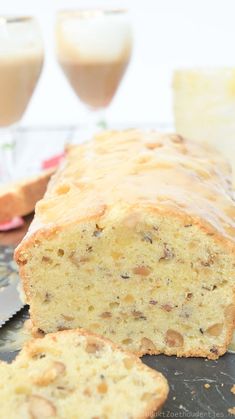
[(233, 389), (207, 385), (231, 410)]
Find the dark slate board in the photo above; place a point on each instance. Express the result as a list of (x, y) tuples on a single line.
[(188, 398)]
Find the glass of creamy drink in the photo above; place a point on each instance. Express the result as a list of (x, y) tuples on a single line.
[(21, 60), (94, 48)]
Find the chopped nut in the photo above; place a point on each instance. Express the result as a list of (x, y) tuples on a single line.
[(87, 392), (102, 388), (50, 375), (173, 338), (129, 363), (167, 253), (146, 397), (21, 260), (147, 346), (116, 255), (129, 298), (209, 260), (176, 138), (37, 333), (67, 318), (63, 189), (139, 315), (60, 252), (141, 270), (47, 259), (127, 341), (94, 326), (215, 329), (93, 346), (230, 314), (152, 146), (189, 295), (167, 307), (78, 260), (39, 407), (106, 315)]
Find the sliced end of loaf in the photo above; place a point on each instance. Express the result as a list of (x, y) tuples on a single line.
[(152, 282), (74, 374)]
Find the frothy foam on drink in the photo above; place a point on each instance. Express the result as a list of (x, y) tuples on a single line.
[(96, 39), (18, 38)]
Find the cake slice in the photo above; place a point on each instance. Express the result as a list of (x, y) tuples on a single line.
[(74, 375), (135, 240), (19, 198)]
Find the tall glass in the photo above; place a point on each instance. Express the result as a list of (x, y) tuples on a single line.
[(94, 48), (21, 60)]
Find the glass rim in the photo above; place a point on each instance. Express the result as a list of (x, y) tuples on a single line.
[(91, 12), (15, 19)]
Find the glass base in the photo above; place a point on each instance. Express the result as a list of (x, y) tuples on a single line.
[(7, 145)]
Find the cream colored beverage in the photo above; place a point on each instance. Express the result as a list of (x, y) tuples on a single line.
[(93, 51), (21, 59)]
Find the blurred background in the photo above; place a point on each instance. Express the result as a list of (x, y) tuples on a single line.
[(167, 34)]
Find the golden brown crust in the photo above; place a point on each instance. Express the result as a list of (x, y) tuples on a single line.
[(20, 198)]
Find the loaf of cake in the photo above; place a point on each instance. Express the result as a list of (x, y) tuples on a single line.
[(75, 375), (135, 240)]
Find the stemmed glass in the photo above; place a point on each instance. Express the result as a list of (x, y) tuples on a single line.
[(21, 60), (93, 49)]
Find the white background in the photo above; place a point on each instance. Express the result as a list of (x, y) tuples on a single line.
[(167, 34)]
